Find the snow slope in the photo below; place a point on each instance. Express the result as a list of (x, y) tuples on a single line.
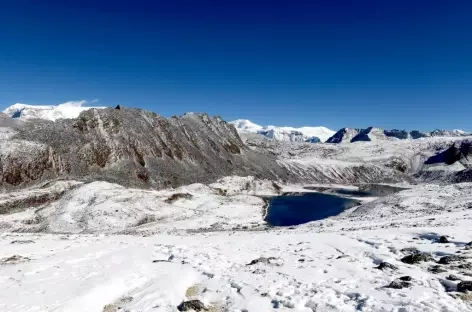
[(289, 134), (332, 271), (74, 207), (70, 109), (212, 246), (315, 272), (391, 160)]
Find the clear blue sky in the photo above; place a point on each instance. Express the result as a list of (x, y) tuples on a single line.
[(393, 64)]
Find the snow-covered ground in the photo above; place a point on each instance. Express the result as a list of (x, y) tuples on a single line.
[(309, 271), (210, 243), (75, 207)]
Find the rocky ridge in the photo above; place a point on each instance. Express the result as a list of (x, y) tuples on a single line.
[(130, 147)]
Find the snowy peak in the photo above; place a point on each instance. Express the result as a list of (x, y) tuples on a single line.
[(66, 110), (287, 134), (245, 125)]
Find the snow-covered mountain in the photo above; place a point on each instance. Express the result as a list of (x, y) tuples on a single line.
[(246, 125), (66, 110), (448, 133), (343, 135), (288, 134), (373, 134)]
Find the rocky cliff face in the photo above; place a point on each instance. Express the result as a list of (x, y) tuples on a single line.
[(128, 146), (458, 152), (369, 134)]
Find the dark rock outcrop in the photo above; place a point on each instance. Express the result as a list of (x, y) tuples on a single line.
[(399, 134), (437, 269), (462, 176), (192, 305), (269, 261), (452, 277), (399, 284), (417, 258), (178, 196), (363, 135), (387, 266), (464, 286), (406, 278), (443, 240), (449, 259)]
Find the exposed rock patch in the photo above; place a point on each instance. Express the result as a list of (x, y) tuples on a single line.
[(270, 261), (417, 258), (464, 286), (192, 305), (443, 240), (14, 259), (449, 259), (20, 242), (399, 284), (177, 196), (387, 266)]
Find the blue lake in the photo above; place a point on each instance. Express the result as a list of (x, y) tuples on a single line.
[(290, 210)]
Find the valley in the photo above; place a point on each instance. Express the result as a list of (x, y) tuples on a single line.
[(125, 210)]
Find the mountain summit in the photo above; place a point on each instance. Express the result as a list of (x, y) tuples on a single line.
[(246, 125)]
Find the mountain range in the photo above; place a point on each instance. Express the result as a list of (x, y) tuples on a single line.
[(317, 134), (344, 135), (373, 134)]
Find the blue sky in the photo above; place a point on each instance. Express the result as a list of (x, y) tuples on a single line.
[(393, 64)]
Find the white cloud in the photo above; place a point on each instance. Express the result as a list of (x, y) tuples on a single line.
[(73, 104)]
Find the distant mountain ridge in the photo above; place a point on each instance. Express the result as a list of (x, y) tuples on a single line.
[(73, 109), (372, 134), (288, 134)]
